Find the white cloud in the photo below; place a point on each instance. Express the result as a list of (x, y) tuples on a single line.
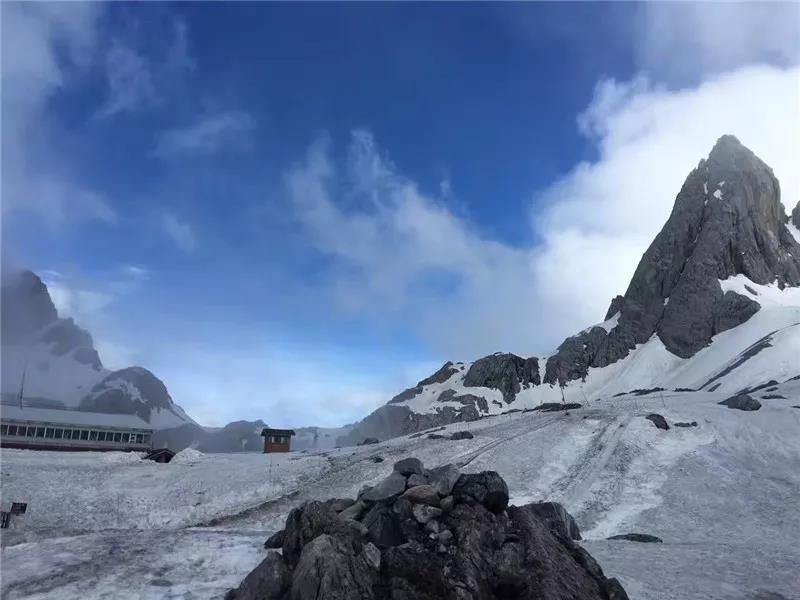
[(693, 40), (44, 46), (208, 134), (405, 254), (179, 232), (130, 81)]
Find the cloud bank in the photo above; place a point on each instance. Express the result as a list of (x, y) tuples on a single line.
[(398, 252)]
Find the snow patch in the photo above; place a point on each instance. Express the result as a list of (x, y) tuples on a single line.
[(794, 231), (188, 456)]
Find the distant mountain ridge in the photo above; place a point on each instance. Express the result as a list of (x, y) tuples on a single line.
[(713, 303), (61, 366)]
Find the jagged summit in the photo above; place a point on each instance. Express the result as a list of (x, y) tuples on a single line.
[(61, 365), (726, 250)]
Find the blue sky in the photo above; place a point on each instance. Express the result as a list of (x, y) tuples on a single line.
[(293, 211)]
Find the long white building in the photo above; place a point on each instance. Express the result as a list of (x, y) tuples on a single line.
[(70, 430)]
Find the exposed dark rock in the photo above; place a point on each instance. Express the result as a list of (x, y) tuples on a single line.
[(377, 459), (727, 220), (422, 494), (796, 216), (556, 406), (270, 579), (658, 421), (637, 537), (445, 372), (388, 489), (773, 397), (714, 387), (409, 466), (556, 517), (486, 488), (111, 395), (340, 504), (477, 402), (742, 402), (368, 441), (334, 569), (645, 392), (614, 307), (355, 511), (681, 389), (306, 523), (505, 372), (415, 480), (437, 436), (461, 435), (275, 540), (469, 549), (769, 384), (692, 424), (406, 394), (27, 307), (444, 478), (384, 529), (750, 352)]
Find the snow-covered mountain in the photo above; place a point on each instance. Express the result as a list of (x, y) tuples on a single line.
[(62, 368), (714, 304)]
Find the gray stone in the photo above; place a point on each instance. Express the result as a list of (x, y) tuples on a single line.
[(388, 489), (424, 513), (330, 568), (270, 580), (409, 466), (614, 307), (444, 478), (354, 511), (415, 480), (275, 540), (447, 503), (445, 536), (658, 421), (692, 424), (383, 529), (373, 556), (508, 373), (486, 488), (556, 517), (742, 402), (340, 504), (306, 523), (637, 537), (422, 494), (461, 435)]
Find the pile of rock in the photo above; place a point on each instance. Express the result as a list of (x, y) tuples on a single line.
[(428, 534)]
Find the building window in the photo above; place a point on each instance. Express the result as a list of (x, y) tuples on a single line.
[(101, 436), (68, 434), (48, 432), (12, 429), (84, 434), (93, 435), (3, 429), (40, 432), (146, 439), (118, 437), (59, 434), (31, 432)]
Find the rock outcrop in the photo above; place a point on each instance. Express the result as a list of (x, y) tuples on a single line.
[(505, 372), (454, 540), (62, 367), (742, 402)]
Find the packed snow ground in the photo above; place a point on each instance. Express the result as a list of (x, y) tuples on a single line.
[(722, 495)]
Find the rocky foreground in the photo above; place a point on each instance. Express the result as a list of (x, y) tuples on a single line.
[(428, 534)]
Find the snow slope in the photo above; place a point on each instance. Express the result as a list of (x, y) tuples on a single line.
[(721, 495)]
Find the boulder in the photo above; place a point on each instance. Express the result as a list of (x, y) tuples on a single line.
[(415, 480), (377, 459), (383, 528), (275, 541), (462, 435), (422, 494), (306, 523), (692, 424), (331, 568), (368, 441), (742, 402), (486, 488), (409, 466), (444, 478), (658, 421), (269, 580), (410, 551), (388, 489), (447, 503), (354, 511), (556, 406), (556, 517), (340, 504), (424, 513), (637, 537)]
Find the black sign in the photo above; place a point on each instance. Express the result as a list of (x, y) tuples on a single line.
[(19, 508)]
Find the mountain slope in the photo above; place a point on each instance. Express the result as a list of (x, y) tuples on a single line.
[(60, 366), (714, 304)]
